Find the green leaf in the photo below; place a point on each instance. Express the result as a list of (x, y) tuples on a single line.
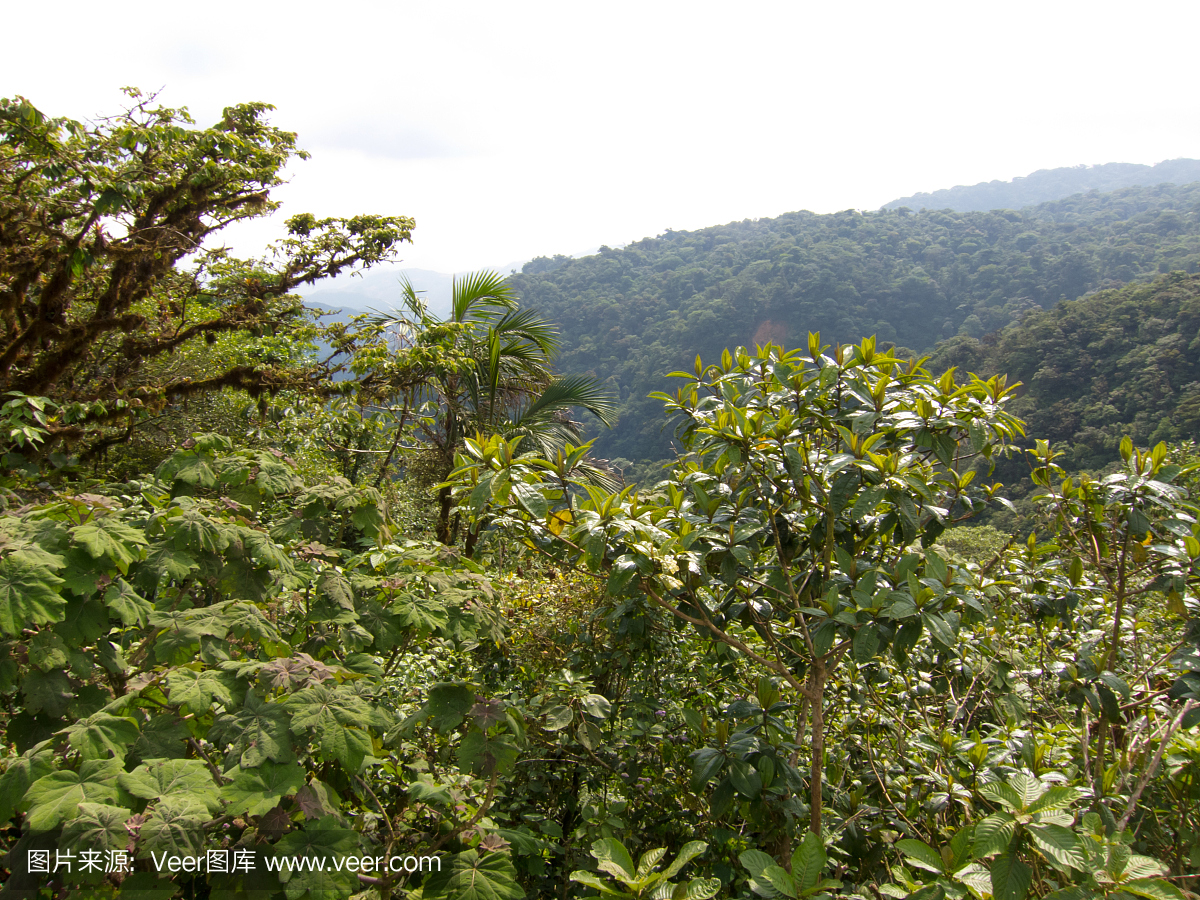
[(176, 778), (1153, 889), (587, 879), (706, 762), (107, 537), (259, 728), (28, 594), (332, 715), (48, 692), (20, 774), (470, 876), (612, 857), (484, 755), (778, 878), (195, 691), (325, 838), (56, 798), (745, 779), (99, 826), (558, 718), (866, 642), (175, 825), (993, 834), (1059, 845), (1011, 878), (597, 705), (257, 791), (939, 630), (687, 853), (448, 704), (921, 855), (808, 861), (122, 599), (102, 735)]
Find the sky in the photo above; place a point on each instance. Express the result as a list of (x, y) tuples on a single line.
[(521, 129)]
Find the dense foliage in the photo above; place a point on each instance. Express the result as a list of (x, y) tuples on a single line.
[(1092, 370), (397, 635), (630, 315), (1051, 184)]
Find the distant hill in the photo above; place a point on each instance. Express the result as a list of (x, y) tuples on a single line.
[(379, 289), (1051, 184), (1118, 362), (630, 316)]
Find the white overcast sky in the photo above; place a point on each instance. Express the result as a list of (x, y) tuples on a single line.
[(517, 129)]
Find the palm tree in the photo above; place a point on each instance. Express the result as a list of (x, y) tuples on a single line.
[(506, 383)]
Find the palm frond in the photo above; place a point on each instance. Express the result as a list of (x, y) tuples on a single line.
[(530, 326), (473, 295), (567, 391)]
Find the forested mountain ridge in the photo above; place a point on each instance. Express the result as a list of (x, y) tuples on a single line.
[(630, 316), (1051, 184), (1095, 369)]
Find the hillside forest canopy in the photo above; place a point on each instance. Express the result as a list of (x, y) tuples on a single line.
[(295, 609)]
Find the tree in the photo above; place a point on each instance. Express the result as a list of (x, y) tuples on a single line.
[(97, 223), (494, 375), (796, 530)]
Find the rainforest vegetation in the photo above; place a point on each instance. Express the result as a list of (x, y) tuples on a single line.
[(630, 316), (275, 593)]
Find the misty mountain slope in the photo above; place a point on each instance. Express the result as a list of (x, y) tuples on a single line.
[(1051, 184), (630, 316), (1118, 362)]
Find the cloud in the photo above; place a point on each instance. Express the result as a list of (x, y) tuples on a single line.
[(382, 138)]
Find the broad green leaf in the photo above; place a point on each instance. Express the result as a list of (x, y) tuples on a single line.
[(1059, 796), (470, 876), (448, 704), (483, 755), (20, 774), (587, 879), (257, 791), (28, 594), (175, 778), (99, 826), (866, 642), (687, 853), (174, 825), (195, 691), (778, 878), (558, 718), (325, 838), (332, 715), (697, 889), (1059, 845), (993, 834), (107, 537), (612, 857), (921, 855), (649, 860), (939, 630), (1153, 889), (1011, 878), (808, 861), (101, 735), (122, 599), (745, 779), (706, 762), (259, 728), (49, 692), (597, 705), (1004, 794), (56, 798)]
